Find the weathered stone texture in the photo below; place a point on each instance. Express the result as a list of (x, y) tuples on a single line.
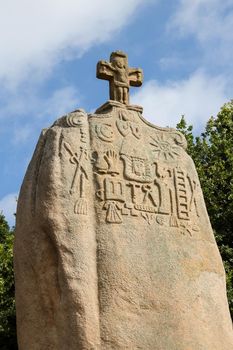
[(113, 247)]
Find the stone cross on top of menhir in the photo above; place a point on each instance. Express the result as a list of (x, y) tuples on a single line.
[(120, 76)]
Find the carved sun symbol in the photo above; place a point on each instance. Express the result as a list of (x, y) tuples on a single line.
[(164, 149)]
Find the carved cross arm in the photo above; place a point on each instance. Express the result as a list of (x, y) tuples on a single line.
[(135, 76), (104, 70)]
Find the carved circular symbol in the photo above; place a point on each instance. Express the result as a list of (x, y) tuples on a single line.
[(160, 220), (164, 149), (104, 132), (165, 146), (77, 118)]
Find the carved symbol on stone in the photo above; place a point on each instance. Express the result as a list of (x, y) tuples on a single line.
[(83, 134), (146, 208), (101, 164), (126, 125), (193, 199), (105, 132), (129, 210), (81, 204), (137, 169), (80, 173), (187, 228), (114, 190), (123, 127), (119, 75), (181, 194), (125, 211), (79, 119), (135, 190), (100, 194), (78, 161), (130, 207), (196, 228), (173, 218), (148, 217), (107, 162), (147, 189), (174, 221), (113, 214), (162, 178), (164, 149), (112, 159), (160, 220)]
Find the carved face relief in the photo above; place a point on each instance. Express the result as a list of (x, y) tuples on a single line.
[(119, 62)]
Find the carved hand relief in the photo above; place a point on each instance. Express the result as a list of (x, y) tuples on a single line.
[(106, 162), (80, 177)]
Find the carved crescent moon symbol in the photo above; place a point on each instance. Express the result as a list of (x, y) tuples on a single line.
[(104, 132)]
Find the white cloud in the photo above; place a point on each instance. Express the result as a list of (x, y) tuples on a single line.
[(62, 101), (37, 34), (171, 61), (211, 22), (8, 207), (25, 102), (197, 97), (30, 112)]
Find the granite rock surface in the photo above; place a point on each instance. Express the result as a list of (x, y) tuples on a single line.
[(113, 247)]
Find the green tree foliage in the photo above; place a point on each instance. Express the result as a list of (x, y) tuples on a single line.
[(212, 153), (7, 304)]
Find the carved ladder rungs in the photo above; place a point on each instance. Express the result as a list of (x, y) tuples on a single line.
[(181, 195)]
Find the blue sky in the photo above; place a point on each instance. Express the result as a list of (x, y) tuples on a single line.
[(48, 64)]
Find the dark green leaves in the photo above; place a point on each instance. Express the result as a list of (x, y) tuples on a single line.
[(7, 301)]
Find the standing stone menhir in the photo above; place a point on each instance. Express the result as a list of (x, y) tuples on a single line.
[(113, 246)]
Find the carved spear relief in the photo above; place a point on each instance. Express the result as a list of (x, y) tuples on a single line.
[(79, 177)]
